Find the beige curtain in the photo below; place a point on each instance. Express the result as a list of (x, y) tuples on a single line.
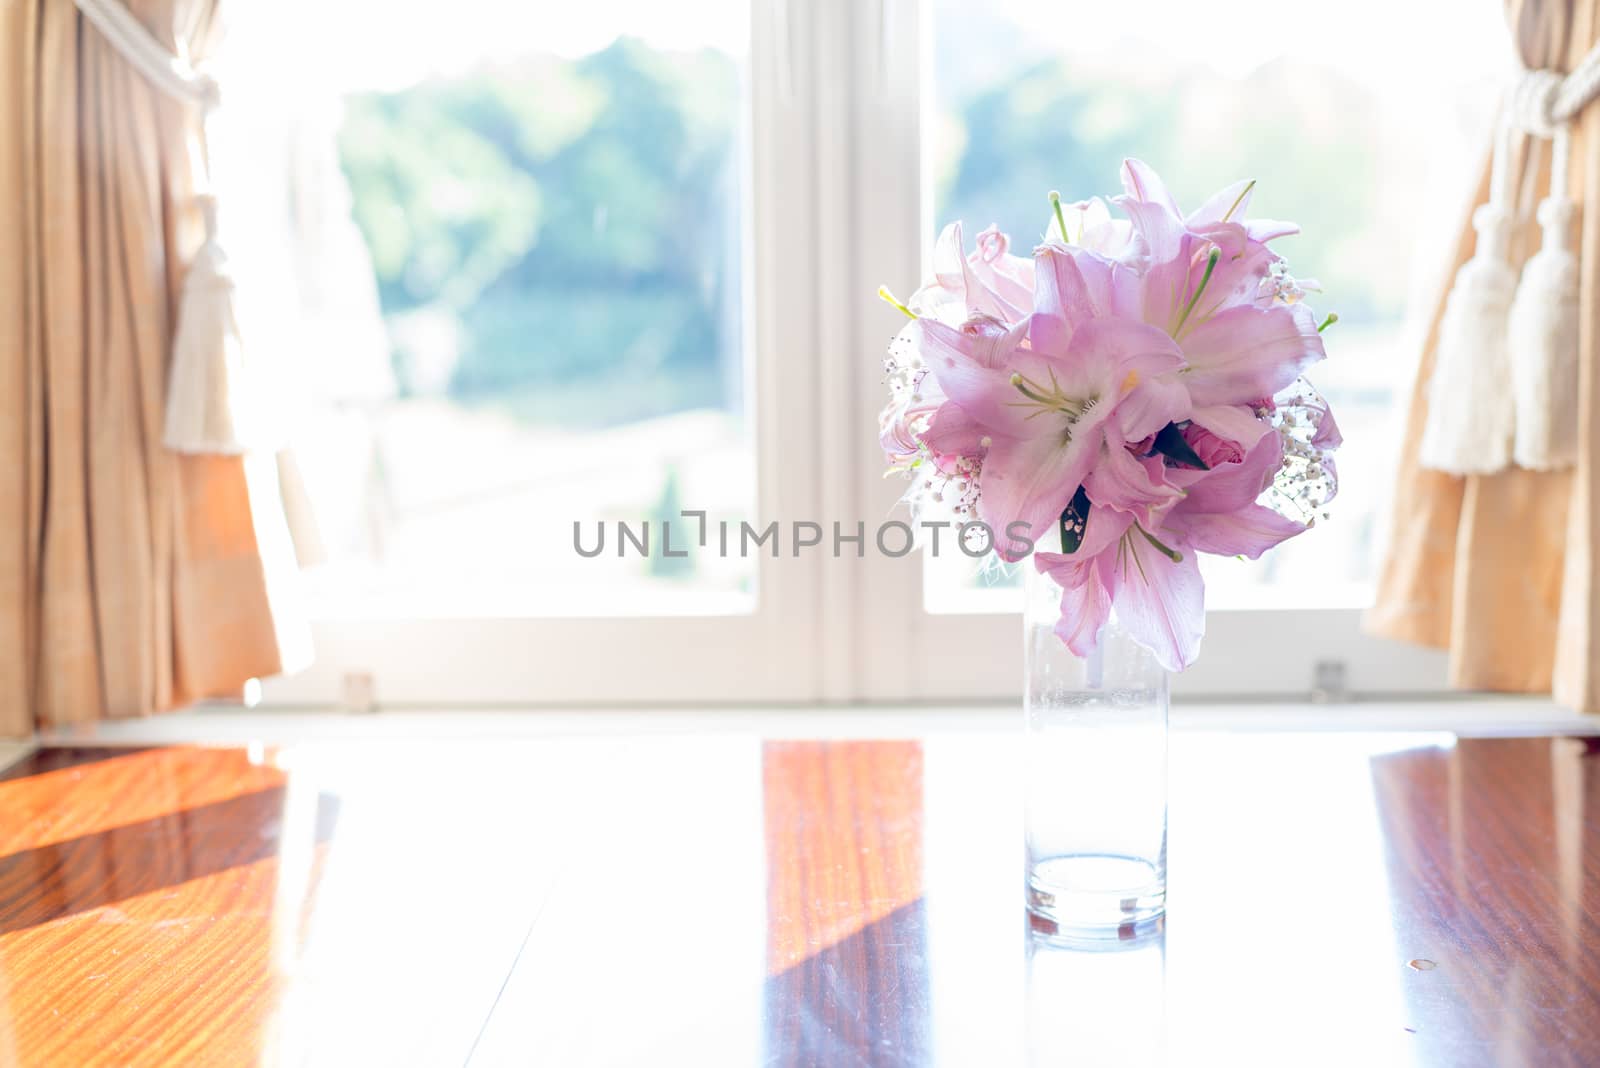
[(132, 580), (1500, 569)]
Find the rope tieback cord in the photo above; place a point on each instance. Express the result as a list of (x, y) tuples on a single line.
[(1543, 101), (173, 75)]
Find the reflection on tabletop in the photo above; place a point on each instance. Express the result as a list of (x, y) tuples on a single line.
[(1335, 898)]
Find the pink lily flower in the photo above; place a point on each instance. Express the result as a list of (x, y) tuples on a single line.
[(1202, 282), (1145, 568), (1152, 579), (1147, 194), (1155, 589), (1054, 403), (920, 424), (990, 281)]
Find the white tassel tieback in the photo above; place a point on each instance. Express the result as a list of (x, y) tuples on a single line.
[(207, 408), (1471, 416), (1543, 336)]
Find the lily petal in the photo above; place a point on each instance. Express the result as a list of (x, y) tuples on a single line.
[(1071, 286), (1120, 482), (1151, 405), (1231, 487), (1170, 281), (1265, 230), (1227, 204), (1236, 422), (952, 432), (1032, 480), (1161, 603), (1085, 608), (1007, 279), (1248, 531), (1248, 352), (1114, 347), (989, 282), (1327, 435), (1237, 277), (1086, 578), (1158, 228), (969, 364), (1141, 183)]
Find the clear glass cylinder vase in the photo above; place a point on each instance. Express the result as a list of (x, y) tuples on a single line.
[(1096, 774)]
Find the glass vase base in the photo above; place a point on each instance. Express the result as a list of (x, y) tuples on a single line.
[(1096, 893)]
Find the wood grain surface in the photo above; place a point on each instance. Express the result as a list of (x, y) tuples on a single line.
[(727, 898), (847, 973)]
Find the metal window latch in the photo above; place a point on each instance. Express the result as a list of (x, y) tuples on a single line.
[(1328, 683), (359, 692)]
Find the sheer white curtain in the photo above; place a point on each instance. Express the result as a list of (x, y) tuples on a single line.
[(307, 293)]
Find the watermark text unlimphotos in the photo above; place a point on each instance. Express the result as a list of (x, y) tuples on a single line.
[(894, 538)]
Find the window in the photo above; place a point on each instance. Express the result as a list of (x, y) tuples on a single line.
[(624, 259), (556, 220), (553, 246)]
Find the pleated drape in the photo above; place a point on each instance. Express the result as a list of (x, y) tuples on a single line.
[(1500, 569), (132, 579)]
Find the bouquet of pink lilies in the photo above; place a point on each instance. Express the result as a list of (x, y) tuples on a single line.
[(1131, 395)]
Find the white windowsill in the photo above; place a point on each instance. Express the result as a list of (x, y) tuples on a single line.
[(1475, 716)]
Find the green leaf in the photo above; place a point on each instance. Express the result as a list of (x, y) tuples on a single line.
[(1170, 443), (1074, 520)]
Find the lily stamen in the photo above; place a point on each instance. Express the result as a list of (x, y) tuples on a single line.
[(1211, 265), (889, 298), (1239, 200), (1170, 553), (1061, 220), (1053, 399)]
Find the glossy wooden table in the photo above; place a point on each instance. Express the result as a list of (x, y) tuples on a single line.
[(732, 898)]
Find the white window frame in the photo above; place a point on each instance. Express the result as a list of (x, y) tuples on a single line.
[(768, 654), (840, 201)]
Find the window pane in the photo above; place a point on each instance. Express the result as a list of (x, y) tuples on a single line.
[(1352, 129), (555, 217)]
